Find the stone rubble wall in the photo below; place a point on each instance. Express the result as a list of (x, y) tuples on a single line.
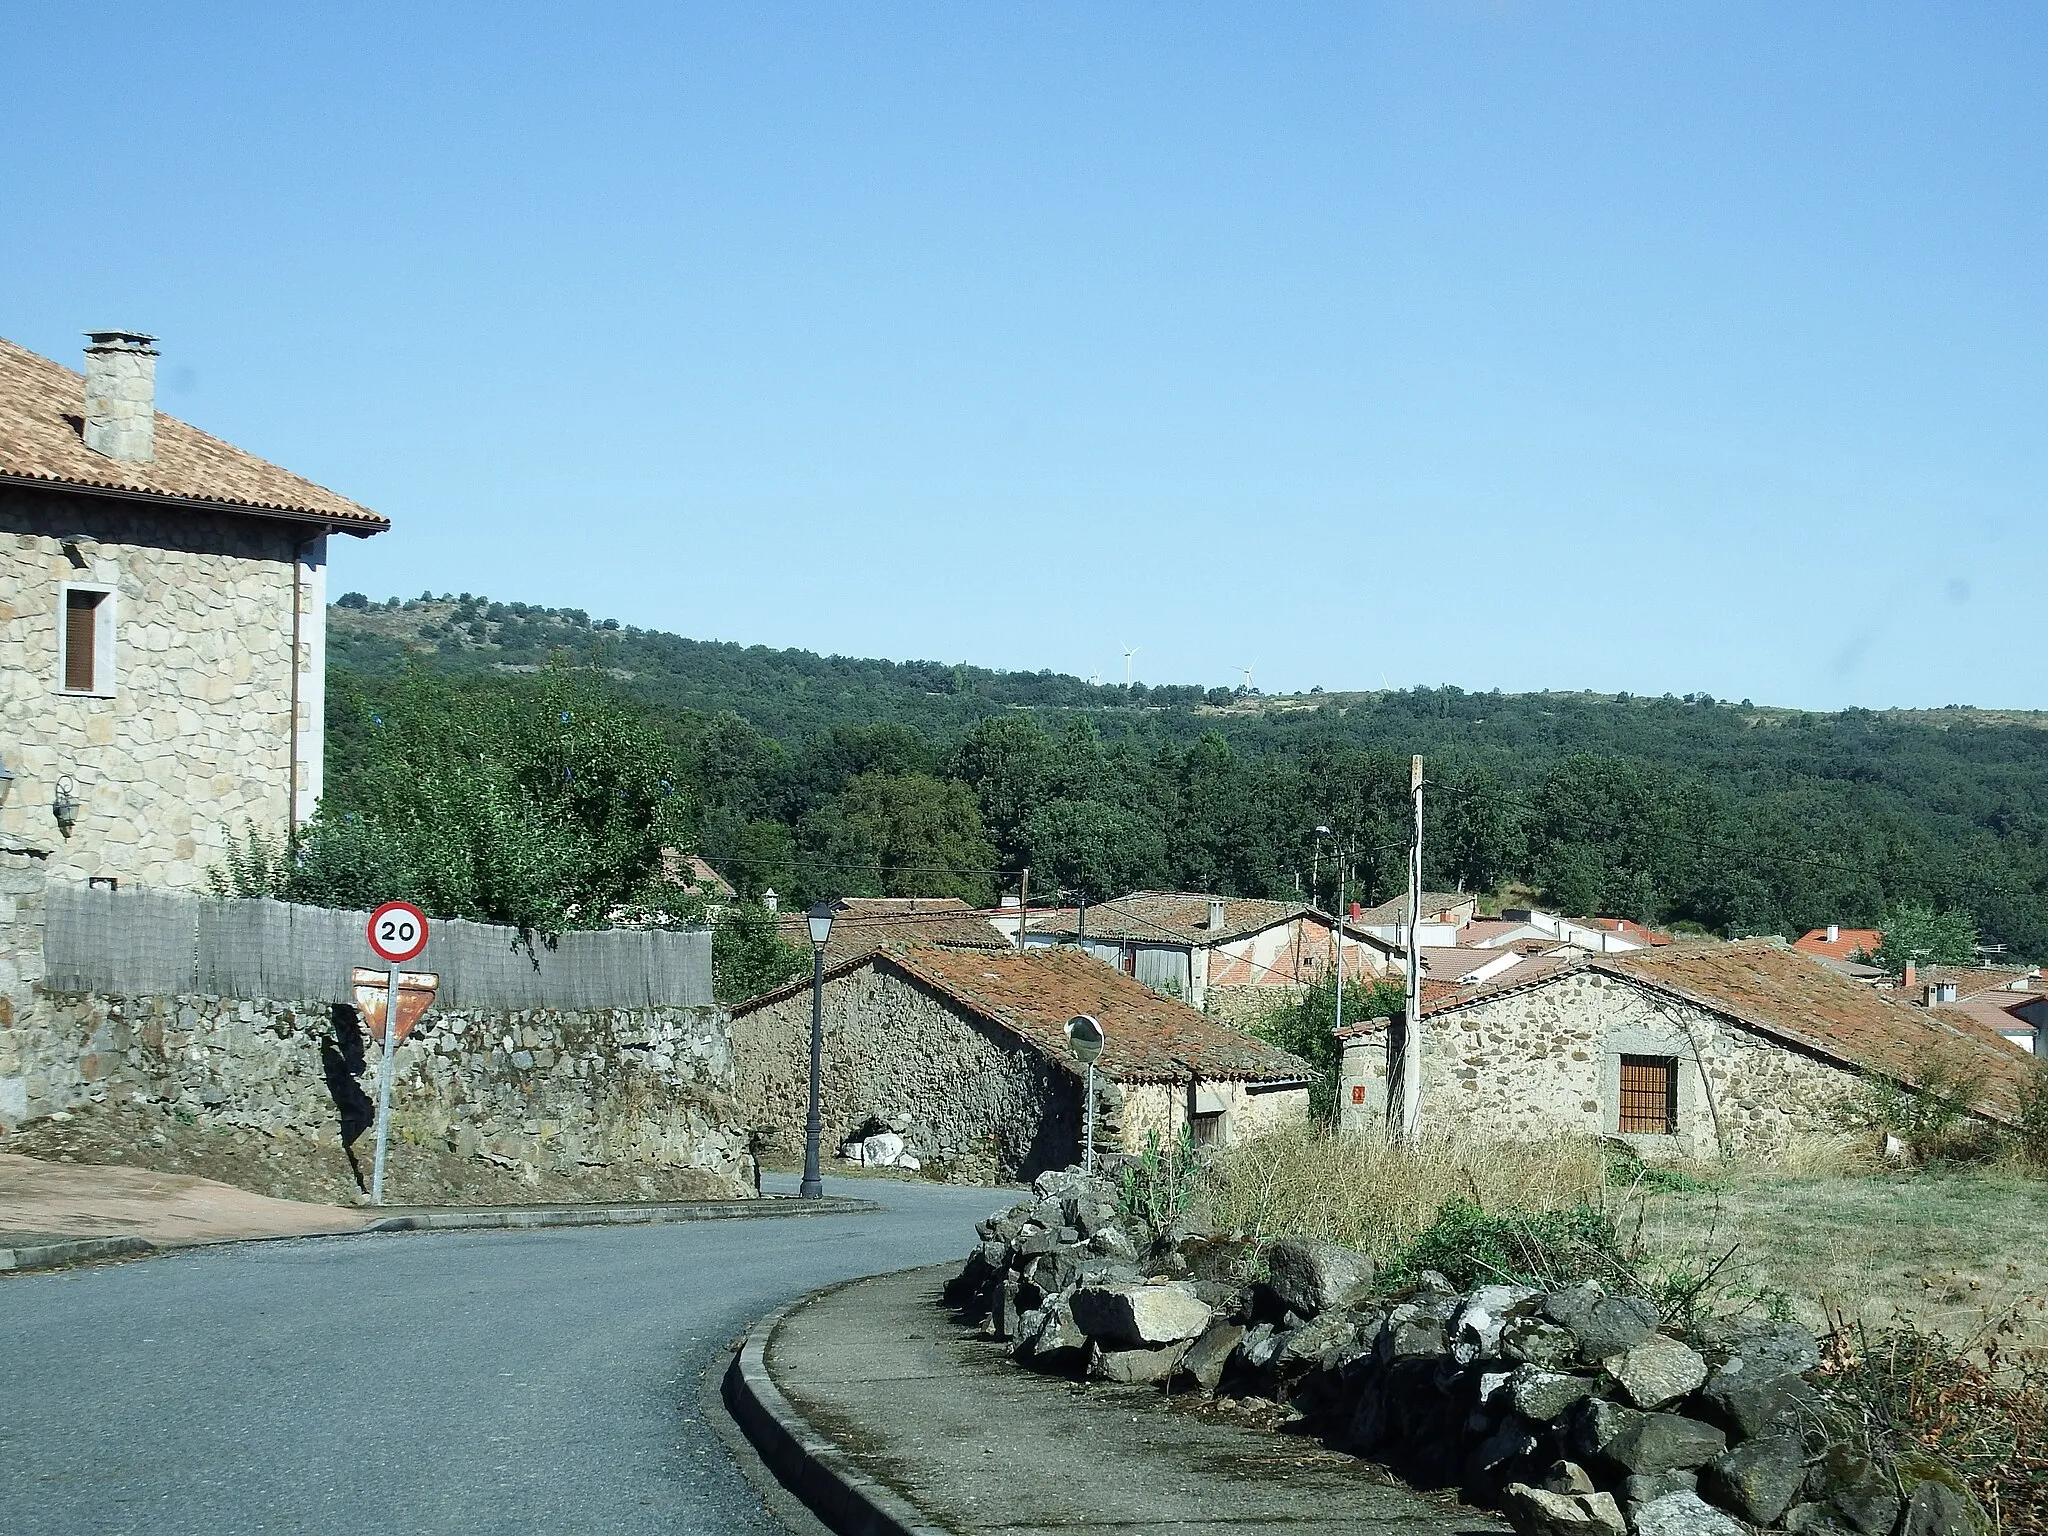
[(544, 1088), (195, 740), (965, 1094), (1546, 1061), (1575, 1408)]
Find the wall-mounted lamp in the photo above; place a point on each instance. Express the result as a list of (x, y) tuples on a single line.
[(65, 805)]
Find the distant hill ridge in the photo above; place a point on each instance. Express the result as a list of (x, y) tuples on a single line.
[(790, 693)]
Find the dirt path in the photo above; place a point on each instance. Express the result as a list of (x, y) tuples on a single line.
[(81, 1200)]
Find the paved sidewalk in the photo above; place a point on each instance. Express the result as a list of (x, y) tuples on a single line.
[(974, 1443)]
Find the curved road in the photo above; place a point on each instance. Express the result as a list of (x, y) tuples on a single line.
[(417, 1382)]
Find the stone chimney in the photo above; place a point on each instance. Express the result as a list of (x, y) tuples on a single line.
[(1215, 913), (120, 395)]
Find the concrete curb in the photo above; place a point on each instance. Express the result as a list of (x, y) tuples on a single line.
[(809, 1464), (75, 1250), (527, 1217), (24, 1257)]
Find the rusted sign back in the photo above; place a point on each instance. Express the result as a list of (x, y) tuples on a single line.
[(372, 987)]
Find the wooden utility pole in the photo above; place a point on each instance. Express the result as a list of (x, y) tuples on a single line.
[(1411, 1028), (1023, 906)]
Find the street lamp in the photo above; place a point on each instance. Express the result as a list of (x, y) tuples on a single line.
[(1337, 851), (1084, 1039), (819, 920)]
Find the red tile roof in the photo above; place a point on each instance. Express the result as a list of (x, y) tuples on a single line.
[(1148, 1038), (897, 906), (1785, 995), (41, 403), (857, 934), (1649, 937), (1850, 943), (1177, 917)]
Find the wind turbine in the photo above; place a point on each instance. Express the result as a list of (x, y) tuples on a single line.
[(1247, 670), (1129, 652)]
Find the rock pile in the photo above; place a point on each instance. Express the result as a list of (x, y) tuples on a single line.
[(1574, 1411)]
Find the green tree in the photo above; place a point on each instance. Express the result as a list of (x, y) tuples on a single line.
[(1916, 935), (899, 835), (1306, 1024), (748, 957), (546, 807), (1087, 846)]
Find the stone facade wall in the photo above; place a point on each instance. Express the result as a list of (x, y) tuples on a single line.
[(194, 738), (22, 881), (548, 1089), (1166, 1108), (1547, 1061), (972, 1095)]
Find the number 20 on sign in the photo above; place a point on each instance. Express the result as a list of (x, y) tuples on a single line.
[(398, 931)]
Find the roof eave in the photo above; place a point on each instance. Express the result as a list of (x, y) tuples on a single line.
[(361, 528)]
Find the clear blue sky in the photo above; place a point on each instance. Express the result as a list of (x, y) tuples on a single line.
[(1646, 347)]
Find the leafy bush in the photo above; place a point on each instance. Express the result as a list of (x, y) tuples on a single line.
[(1304, 1025), (1934, 1404), (1931, 1115), (1159, 1183), (1469, 1247), (2030, 1129)]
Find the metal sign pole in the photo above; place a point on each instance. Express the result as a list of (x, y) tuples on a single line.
[(384, 1090), (1090, 1157)]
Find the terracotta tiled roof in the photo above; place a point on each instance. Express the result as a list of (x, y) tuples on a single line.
[(1782, 993), (896, 906), (1649, 937), (1847, 945), (1434, 904), (1149, 1038), (857, 934), (679, 868), (40, 440), (1177, 917), (1973, 979)]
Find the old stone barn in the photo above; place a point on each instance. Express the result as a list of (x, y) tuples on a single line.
[(967, 1050), (1694, 1050)]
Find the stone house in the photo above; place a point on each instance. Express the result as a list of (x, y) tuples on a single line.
[(162, 625), (1233, 956), (1692, 1050), (967, 1049)]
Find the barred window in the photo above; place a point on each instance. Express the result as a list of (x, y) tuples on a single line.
[(1649, 1095)]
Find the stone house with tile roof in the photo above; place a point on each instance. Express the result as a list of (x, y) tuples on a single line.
[(968, 1049), (162, 625), (1692, 1050), (859, 931), (1232, 956)]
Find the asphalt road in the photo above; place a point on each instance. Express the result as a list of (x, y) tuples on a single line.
[(417, 1382)]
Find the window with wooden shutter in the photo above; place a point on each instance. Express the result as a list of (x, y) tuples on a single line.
[(1649, 1096), (81, 639)]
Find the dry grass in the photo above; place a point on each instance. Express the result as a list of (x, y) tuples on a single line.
[(1368, 1194), (1946, 1251)]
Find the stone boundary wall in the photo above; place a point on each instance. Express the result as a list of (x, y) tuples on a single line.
[(544, 1088)]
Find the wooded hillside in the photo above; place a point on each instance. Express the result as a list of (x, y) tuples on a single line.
[(828, 775)]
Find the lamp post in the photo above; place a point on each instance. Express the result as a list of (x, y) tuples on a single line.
[(819, 918), (1084, 1039)]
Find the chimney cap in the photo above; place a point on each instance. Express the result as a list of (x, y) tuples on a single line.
[(126, 341)]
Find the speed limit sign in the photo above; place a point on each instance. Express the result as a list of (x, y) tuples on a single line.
[(398, 931)]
